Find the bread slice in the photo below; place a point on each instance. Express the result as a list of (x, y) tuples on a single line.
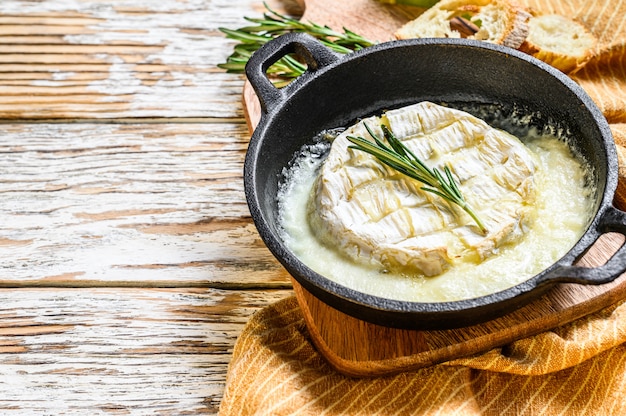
[(495, 21), (559, 41)]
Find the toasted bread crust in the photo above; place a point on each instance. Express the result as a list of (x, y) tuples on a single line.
[(499, 21), (555, 39), (559, 41)]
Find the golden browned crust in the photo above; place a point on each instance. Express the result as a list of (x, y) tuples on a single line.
[(559, 41), (497, 21)]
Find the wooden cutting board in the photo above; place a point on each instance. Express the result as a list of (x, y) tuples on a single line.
[(357, 348)]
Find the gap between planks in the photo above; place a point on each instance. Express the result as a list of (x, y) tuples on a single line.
[(77, 284), (129, 120)]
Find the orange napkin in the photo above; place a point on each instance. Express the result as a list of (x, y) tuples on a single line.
[(576, 369)]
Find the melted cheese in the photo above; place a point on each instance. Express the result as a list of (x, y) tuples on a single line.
[(560, 208)]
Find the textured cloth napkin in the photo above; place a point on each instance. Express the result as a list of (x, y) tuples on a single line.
[(578, 368)]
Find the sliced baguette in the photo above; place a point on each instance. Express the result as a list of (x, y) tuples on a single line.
[(496, 21), (559, 41)]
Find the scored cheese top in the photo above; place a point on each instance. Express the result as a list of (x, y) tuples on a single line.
[(376, 215)]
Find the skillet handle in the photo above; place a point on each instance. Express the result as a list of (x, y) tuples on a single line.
[(306, 47), (612, 220)]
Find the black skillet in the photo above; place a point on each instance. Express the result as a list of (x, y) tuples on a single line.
[(336, 90)]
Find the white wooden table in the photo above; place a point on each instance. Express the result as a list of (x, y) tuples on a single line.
[(128, 260)]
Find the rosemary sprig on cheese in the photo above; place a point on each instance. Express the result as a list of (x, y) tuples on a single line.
[(399, 157)]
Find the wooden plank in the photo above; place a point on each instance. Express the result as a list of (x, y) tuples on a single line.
[(157, 204), (129, 261), (177, 43), (79, 351)]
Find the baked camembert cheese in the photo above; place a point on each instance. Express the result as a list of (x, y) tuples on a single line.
[(375, 214)]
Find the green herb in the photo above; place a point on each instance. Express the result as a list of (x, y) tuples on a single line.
[(271, 26), (400, 158)]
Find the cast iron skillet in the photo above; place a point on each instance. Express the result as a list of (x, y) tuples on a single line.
[(336, 90)]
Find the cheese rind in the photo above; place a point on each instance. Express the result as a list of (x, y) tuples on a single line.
[(376, 215)]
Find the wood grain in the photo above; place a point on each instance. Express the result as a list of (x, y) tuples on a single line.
[(120, 351), (128, 259), (145, 204), (103, 60)]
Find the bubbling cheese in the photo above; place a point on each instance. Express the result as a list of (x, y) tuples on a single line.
[(548, 222)]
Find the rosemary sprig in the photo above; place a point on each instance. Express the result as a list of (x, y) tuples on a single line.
[(400, 158), (274, 24)]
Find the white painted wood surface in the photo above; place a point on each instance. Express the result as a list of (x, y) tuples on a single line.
[(120, 351), (128, 259)]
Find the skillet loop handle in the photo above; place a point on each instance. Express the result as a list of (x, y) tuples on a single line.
[(612, 220), (306, 47)]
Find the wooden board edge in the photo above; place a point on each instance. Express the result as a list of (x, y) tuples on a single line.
[(614, 292)]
